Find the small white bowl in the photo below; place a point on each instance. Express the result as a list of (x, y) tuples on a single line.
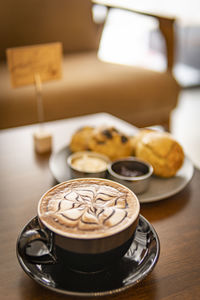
[(132, 172), (87, 164)]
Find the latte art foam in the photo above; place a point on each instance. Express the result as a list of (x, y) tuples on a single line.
[(88, 207)]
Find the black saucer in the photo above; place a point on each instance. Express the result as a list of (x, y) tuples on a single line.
[(137, 263)]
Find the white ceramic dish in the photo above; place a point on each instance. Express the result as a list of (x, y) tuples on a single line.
[(159, 188)]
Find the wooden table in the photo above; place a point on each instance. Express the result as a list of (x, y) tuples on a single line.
[(25, 176)]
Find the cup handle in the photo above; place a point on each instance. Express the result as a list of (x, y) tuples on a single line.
[(45, 255)]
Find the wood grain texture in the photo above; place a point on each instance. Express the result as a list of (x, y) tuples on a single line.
[(25, 176), (25, 62)]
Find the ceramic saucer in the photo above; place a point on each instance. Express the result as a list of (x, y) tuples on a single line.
[(137, 263)]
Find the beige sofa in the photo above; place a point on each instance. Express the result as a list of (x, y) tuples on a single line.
[(142, 97)]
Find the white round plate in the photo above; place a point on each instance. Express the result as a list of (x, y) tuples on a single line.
[(159, 188)]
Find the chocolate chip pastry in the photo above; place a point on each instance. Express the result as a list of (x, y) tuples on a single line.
[(80, 139), (105, 140)]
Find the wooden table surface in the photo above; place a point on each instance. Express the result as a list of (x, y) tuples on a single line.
[(25, 176)]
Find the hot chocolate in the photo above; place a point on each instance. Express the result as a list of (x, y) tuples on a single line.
[(88, 223), (88, 208)]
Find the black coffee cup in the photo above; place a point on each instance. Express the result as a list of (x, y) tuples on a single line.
[(85, 253)]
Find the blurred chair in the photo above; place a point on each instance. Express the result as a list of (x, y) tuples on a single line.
[(137, 95)]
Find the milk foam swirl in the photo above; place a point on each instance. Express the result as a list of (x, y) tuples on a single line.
[(86, 207)]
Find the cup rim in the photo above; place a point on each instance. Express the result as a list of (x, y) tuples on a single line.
[(130, 178), (74, 236)]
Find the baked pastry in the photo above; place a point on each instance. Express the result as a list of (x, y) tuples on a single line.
[(110, 142), (136, 138), (80, 139), (162, 151)]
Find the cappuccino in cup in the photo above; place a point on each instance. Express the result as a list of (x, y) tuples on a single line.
[(92, 220)]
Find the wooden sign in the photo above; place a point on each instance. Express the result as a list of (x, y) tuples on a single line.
[(25, 63)]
